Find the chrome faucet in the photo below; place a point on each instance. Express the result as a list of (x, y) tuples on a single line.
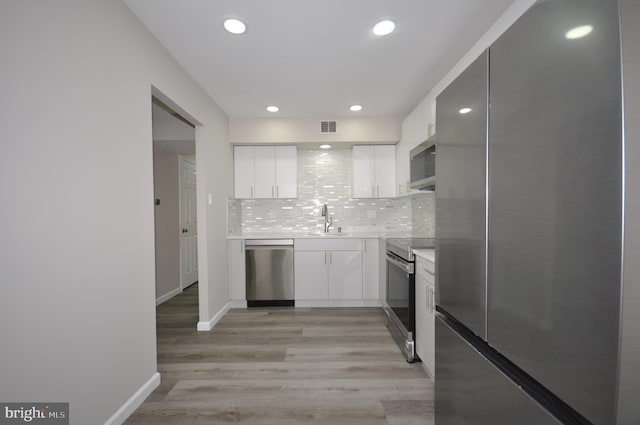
[(328, 221)]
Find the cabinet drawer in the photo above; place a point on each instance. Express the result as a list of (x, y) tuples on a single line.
[(425, 266), (328, 244)]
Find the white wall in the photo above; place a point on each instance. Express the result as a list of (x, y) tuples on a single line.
[(415, 126), (77, 310), (307, 130), (166, 127)]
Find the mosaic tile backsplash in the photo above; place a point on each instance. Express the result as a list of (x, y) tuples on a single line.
[(325, 177)]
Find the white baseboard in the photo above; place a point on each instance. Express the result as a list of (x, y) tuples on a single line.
[(134, 401), (168, 296), (207, 326)]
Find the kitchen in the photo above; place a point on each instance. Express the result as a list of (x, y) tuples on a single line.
[(467, 292), (84, 233)]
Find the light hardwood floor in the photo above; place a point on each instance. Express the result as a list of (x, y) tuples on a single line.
[(283, 366)]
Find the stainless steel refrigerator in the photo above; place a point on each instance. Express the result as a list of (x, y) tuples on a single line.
[(538, 223)]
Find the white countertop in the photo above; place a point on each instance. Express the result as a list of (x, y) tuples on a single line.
[(345, 235), (427, 254)]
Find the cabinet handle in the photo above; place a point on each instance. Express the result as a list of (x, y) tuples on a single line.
[(428, 299), (277, 192), (433, 300), (377, 191), (241, 247), (325, 258)]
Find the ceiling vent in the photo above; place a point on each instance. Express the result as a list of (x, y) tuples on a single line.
[(328, 127)]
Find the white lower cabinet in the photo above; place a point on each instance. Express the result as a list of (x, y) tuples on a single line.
[(328, 270), (345, 275), (425, 314), (370, 269), (237, 272), (311, 275)]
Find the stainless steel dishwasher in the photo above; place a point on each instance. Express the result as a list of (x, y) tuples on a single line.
[(269, 266)]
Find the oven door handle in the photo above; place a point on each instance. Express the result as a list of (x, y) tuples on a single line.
[(407, 267)]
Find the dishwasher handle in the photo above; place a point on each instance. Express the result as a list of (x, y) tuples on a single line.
[(250, 243)]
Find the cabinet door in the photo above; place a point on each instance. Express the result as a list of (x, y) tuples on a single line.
[(265, 169), (370, 269), (286, 172), (429, 358), (363, 172), (345, 275), (422, 310), (382, 271), (237, 273), (243, 172), (385, 170), (311, 270)]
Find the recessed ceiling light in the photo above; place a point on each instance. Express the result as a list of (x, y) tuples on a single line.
[(234, 26), (272, 108), (578, 32), (465, 110), (384, 27), (325, 146), (355, 108)]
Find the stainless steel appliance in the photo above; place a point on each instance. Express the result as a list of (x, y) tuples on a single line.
[(422, 165), (269, 267), (401, 286), (538, 278)]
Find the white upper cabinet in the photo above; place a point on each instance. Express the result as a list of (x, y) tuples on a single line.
[(243, 171), (286, 172), (374, 171), (265, 171), (363, 172)]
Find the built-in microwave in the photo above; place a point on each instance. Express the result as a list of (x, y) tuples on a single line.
[(422, 165)]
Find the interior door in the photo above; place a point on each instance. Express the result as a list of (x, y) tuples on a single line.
[(188, 223)]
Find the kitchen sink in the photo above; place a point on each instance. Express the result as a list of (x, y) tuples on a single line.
[(326, 234)]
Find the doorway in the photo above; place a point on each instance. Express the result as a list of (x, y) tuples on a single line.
[(175, 201)]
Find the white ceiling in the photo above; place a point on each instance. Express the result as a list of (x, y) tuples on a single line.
[(315, 58)]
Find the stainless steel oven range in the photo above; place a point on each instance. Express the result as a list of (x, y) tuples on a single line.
[(401, 286)]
